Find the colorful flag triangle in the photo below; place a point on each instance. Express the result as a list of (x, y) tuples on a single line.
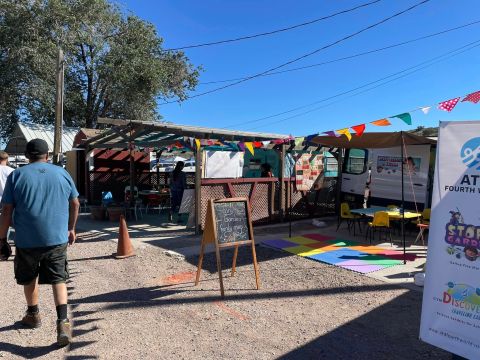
[(299, 140), (473, 97), (330, 133), (359, 129), (426, 109), (448, 105), (381, 122), (249, 147), (197, 143), (345, 132), (406, 117)]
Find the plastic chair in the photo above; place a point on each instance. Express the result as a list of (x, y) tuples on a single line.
[(128, 193), (83, 204), (380, 222), (350, 218), (425, 219)]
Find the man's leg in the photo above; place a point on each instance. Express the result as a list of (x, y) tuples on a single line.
[(60, 294), (64, 329), (32, 317), (31, 293)]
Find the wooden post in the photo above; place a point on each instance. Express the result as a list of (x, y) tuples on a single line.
[(282, 183), (132, 174), (198, 189), (57, 139), (234, 262), (339, 182)]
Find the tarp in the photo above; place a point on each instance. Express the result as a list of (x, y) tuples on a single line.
[(373, 140)]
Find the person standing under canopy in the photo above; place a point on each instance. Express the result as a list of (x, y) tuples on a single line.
[(178, 184)]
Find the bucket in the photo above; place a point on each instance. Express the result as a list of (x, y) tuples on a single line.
[(97, 212), (114, 213)]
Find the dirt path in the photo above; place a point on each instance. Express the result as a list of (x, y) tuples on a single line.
[(147, 307)]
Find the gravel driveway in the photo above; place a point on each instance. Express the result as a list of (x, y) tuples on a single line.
[(148, 307)]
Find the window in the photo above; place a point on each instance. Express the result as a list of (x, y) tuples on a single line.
[(355, 160)]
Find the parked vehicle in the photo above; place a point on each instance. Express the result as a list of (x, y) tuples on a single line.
[(376, 175)]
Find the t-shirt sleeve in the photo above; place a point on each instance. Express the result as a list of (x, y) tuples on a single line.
[(73, 189), (7, 197)]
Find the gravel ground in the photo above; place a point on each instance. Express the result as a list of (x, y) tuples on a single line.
[(148, 307)]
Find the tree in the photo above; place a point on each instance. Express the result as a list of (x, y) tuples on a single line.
[(115, 64)]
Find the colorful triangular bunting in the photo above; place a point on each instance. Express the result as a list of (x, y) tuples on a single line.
[(381, 122), (359, 129), (345, 132), (406, 117)]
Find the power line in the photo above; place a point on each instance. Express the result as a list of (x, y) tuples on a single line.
[(350, 56), (432, 61), (306, 55), (275, 31)]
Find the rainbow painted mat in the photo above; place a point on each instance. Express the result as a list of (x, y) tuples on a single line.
[(348, 254)]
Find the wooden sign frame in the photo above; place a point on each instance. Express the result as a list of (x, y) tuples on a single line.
[(210, 235)]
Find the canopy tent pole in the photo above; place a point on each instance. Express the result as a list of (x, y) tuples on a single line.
[(198, 189), (290, 205), (132, 168), (403, 201)]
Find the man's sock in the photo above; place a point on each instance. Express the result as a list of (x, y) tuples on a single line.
[(62, 312), (32, 309)]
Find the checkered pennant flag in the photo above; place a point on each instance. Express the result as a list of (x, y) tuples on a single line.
[(473, 97), (448, 105)]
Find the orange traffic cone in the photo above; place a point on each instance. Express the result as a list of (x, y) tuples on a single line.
[(124, 247)]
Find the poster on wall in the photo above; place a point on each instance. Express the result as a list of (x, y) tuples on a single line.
[(451, 299), (223, 164), (308, 171)]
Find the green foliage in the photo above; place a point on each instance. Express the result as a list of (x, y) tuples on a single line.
[(115, 65)]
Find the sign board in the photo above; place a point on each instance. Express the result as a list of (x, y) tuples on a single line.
[(386, 174), (451, 299), (228, 224), (223, 164), (232, 221), (308, 171)]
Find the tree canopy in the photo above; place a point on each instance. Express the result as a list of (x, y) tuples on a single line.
[(114, 64)]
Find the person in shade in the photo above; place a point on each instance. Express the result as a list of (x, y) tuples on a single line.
[(178, 183), (42, 200), (5, 170), (266, 170)]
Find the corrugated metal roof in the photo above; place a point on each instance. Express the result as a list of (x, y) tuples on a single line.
[(26, 132)]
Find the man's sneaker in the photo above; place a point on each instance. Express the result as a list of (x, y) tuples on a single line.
[(32, 320), (64, 332)]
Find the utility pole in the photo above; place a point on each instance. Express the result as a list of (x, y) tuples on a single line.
[(57, 139)]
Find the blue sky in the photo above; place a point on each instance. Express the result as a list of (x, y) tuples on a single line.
[(182, 23)]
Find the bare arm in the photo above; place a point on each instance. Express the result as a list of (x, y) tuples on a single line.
[(72, 219), (73, 213), (5, 220)]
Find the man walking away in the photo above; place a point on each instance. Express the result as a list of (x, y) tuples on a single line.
[(5, 170), (43, 201)]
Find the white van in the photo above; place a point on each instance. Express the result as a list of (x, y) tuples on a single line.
[(376, 174)]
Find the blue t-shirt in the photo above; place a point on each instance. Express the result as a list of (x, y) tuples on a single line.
[(40, 194)]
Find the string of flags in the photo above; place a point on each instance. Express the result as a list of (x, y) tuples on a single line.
[(358, 130), (189, 143)]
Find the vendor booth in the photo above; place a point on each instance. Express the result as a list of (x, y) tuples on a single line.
[(227, 164)]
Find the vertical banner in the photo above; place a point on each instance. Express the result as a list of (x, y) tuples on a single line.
[(451, 299)]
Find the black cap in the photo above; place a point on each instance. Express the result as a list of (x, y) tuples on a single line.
[(36, 147)]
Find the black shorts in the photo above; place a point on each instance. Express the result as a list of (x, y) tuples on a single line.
[(48, 263)]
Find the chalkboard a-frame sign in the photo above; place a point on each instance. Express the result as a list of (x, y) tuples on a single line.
[(228, 224)]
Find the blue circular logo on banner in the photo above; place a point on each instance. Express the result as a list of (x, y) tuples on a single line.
[(470, 153)]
